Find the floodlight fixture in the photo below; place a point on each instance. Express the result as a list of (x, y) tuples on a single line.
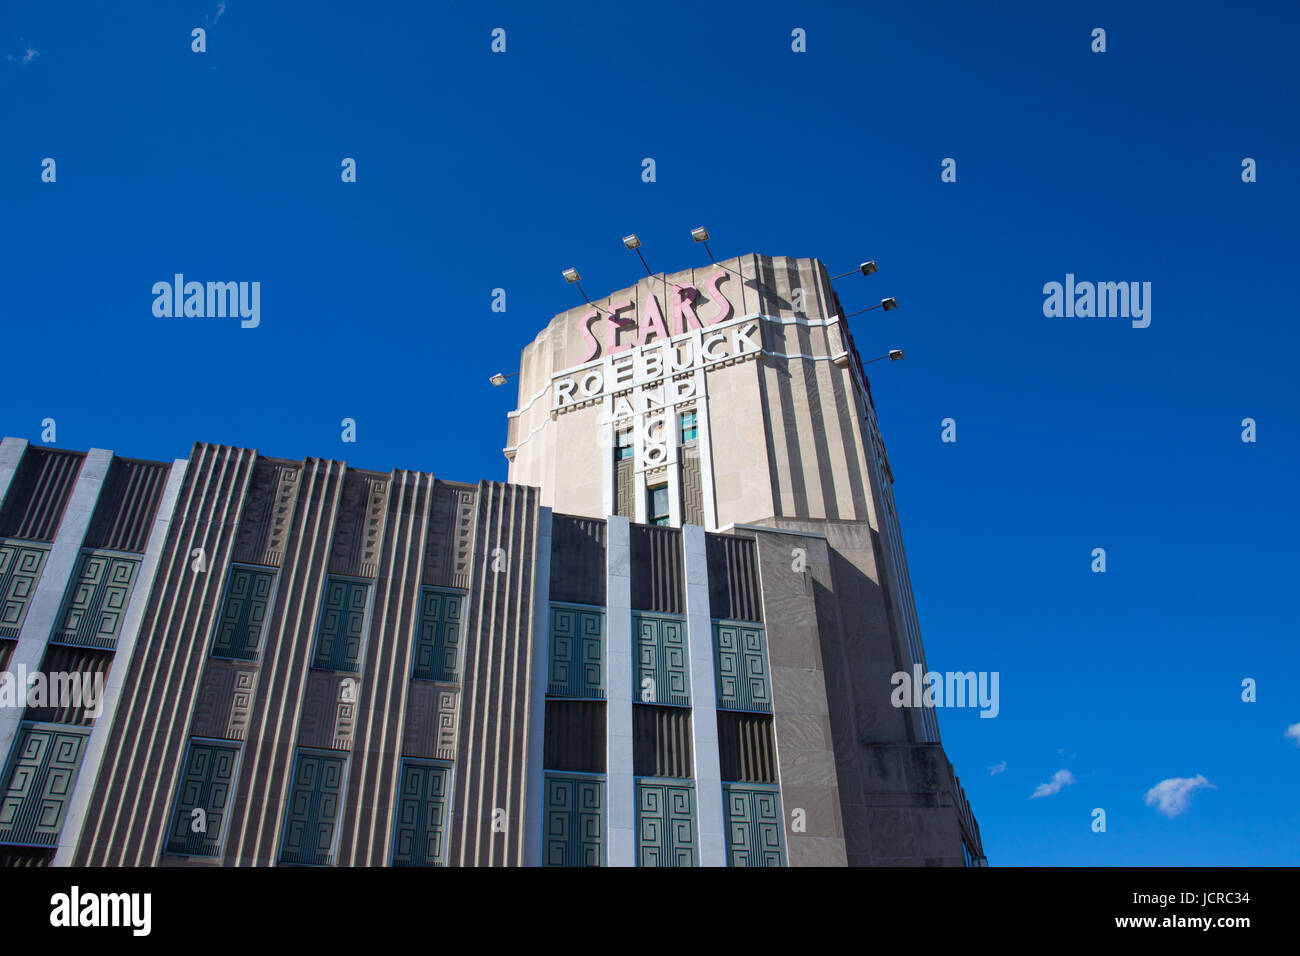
[(634, 243), (866, 268), (889, 305), (893, 355)]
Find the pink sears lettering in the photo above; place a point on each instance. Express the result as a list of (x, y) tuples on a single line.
[(634, 334)]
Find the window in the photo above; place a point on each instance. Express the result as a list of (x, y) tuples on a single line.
[(665, 823), (754, 825), (419, 838), (576, 666), (660, 672), (342, 624), (658, 505), (96, 600), (574, 827), (21, 564), (243, 613), (689, 427), (623, 445), (312, 814), (203, 798), (437, 639), (38, 786), (740, 658)]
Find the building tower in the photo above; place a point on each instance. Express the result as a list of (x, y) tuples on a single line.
[(668, 640), (732, 397)]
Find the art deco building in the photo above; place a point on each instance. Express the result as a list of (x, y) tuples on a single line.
[(667, 640)]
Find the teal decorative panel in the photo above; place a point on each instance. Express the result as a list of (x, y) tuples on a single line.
[(311, 817), (342, 624), (574, 833), (96, 600), (243, 613), (665, 823), (577, 652), (660, 671), (754, 825), (418, 837), (740, 658), (206, 785), (38, 783), (437, 637), (21, 564)]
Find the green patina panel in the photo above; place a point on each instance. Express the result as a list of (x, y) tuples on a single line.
[(21, 564), (311, 816), (38, 783), (95, 604), (755, 826), (203, 798), (740, 657), (576, 667), (437, 636), (341, 631), (243, 613), (660, 669), (574, 832), (419, 837), (665, 823)]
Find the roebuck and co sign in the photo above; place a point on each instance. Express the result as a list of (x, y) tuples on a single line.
[(646, 378)]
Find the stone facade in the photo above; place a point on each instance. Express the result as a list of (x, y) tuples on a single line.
[(670, 645)]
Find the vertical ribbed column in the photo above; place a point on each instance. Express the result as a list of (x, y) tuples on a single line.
[(534, 812), (126, 821), (42, 615), (117, 676), (367, 819), (11, 455), (704, 718), (620, 788), (257, 811), (488, 804)]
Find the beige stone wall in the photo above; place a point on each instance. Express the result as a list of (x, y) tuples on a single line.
[(741, 466), (783, 427)]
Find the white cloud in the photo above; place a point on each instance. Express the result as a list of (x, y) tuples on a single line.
[(1172, 796), (1062, 778), (29, 54), (1294, 733), (997, 768)]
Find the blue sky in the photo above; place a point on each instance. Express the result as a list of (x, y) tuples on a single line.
[(479, 170)]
